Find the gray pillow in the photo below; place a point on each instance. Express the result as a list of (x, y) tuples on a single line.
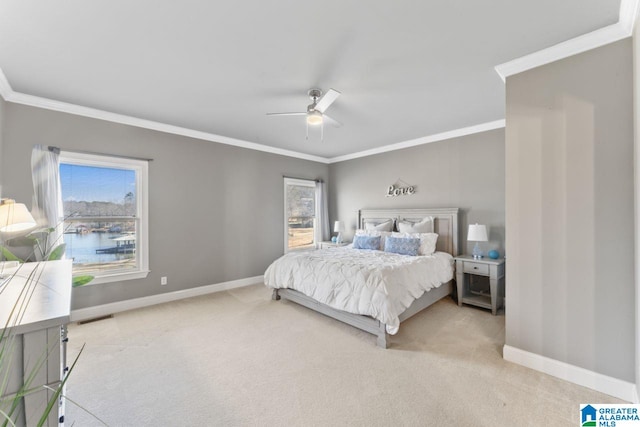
[(424, 226), (383, 226)]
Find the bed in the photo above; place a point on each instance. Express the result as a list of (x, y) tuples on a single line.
[(321, 278)]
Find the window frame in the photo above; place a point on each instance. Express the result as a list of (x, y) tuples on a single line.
[(306, 183), (141, 167)]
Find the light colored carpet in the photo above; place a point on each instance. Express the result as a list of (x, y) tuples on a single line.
[(237, 358)]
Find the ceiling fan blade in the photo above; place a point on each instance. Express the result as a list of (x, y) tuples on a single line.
[(332, 122), (287, 114), (327, 99)]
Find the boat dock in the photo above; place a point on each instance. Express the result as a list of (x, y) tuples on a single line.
[(121, 249), (124, 245)]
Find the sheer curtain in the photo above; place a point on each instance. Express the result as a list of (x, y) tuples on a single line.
[(322, 232), (47, 196)]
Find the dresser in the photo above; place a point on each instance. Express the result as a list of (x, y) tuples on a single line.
[(35, 341)]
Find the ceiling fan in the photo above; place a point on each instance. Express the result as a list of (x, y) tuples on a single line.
[(315, 111)]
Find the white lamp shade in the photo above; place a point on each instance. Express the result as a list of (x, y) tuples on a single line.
[(477, 233), (15, 217), (338, 226)]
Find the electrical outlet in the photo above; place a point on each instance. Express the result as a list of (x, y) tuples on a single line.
[(163, 280)]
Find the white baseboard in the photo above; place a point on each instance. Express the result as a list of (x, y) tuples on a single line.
[(116, 307), (608, 385)]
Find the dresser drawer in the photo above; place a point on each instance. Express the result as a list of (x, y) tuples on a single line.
[(476, 268)]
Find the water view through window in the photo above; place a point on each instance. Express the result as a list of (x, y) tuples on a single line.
[(100, 217)]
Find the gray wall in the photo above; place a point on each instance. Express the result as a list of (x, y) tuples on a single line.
[(2, 108), (569, 197), (465, 172), (215, 211)]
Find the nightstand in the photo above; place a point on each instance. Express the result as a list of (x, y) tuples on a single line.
[(467, 266), (327, 245)]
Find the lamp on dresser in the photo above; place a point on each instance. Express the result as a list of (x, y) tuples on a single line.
[(477, 233), (15, 216)]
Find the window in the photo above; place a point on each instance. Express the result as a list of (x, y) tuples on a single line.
[(105, 215), (299, 213)]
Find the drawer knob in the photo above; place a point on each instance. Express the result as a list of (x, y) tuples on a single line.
[(475, 268)]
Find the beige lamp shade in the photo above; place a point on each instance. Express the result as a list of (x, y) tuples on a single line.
[(15, 217), (477, 233)]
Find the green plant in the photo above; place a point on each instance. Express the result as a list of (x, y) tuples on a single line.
[(44, 249)]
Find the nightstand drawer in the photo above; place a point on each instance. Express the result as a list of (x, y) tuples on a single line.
[(476, 268)]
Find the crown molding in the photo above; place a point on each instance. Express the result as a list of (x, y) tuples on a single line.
[(603, 36), (628, 14), (64, 107), (49, 104), (5, 87), (483, 127), (592, 40)]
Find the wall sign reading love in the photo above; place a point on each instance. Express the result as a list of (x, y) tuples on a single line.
[(395, 191)]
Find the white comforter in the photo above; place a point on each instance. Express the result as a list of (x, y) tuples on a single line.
[(375, 283)]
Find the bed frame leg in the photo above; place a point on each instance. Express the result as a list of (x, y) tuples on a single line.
[(382, 336), (382, 340), (275, 295)]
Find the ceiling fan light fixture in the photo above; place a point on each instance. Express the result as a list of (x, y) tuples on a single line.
[(315, 111), (314, 118)]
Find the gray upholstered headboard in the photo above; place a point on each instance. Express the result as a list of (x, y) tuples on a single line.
[(445, 223)]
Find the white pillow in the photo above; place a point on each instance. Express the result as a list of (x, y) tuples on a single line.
[(427, 241), (424, 226), (383, 235), (383, 226)]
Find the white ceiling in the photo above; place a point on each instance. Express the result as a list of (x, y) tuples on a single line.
[(406, 69)]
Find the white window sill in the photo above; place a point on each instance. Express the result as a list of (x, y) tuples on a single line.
[(118, 277)]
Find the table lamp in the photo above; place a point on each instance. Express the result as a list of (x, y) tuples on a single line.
[(338, 227), (477, 233), (14, 217)]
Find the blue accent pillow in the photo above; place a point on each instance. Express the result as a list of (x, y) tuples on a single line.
[(366, 242), (402, 245)]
